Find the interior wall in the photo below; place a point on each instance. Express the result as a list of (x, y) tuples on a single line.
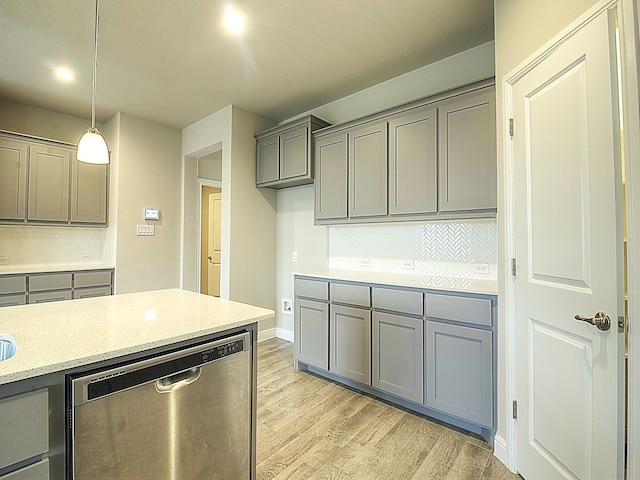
[(296, 231), (253, 219), (521, 28), (210, 166), (148, 171)]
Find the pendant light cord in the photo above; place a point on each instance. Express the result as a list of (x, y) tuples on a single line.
[(95, 68)]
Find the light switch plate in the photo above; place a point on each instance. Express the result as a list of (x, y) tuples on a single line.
[(145, 230)]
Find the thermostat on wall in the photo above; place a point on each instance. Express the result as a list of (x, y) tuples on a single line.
[(151, 214)]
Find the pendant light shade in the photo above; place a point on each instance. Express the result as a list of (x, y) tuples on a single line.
[(92, 147)]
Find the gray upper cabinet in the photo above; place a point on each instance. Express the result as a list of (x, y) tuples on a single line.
[(48, 183), (430, 159), (42, 182), (331, 177), (88, 193), (13, 179), (268, 154), (467, 153), (367, 161), (413, 170), (284, 154)]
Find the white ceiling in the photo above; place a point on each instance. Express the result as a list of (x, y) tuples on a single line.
[(170, 60)]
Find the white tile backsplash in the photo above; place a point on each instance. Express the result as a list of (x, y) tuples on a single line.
[(463, 249), (43, 244)]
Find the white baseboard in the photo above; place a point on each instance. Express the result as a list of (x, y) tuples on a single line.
[(266, 334), (284, 334), (500, 451)]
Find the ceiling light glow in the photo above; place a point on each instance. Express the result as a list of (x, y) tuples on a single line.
[(64, 74), (234, 22)]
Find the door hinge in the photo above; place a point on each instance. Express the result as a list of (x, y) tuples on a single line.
[(511, 127), (513, 267), (515, 409)]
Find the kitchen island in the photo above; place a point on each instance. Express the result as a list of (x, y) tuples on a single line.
[(61, 339)]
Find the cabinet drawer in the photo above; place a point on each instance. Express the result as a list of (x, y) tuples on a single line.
[(403, 301), (24, 427), (350, 294), (37, 471), (53, 281), (45, 297), (92, 292), (311, 289), (460, 309), (92, 279), (12, 300), (13, 284)]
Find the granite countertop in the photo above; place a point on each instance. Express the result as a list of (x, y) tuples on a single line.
[(450, 284), (53, 337), (52, 267)]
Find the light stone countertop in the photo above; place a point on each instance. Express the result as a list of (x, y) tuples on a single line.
[(58, 336), (52, 267), (449, 284)]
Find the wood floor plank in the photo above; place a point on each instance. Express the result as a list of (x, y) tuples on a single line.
[(313, 428)]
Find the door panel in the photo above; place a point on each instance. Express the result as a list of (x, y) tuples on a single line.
[(569, 373), (215, 244)]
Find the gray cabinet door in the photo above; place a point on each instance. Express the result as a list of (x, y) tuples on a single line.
[(48, 183), (467, 153), (311, 333), (294, 160), (398, 355), (368, 170), (331, 176), (459, 363), (267, 160), (413, 172), (88, 193), (13, 179), (350, 343)]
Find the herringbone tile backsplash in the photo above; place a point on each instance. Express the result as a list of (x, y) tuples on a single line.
[(467, 249)]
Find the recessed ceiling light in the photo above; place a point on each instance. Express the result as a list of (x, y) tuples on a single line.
[(234, 22), (64, 74)]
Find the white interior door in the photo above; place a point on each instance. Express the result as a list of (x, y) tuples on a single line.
[(569, 373), (215, 243)]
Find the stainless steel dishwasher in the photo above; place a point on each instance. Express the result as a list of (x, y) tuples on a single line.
[(185, 415)]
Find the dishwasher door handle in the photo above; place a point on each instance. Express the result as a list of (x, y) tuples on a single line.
[(177, 380)]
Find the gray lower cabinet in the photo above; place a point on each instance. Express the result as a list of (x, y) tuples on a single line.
[(367, 161), (350, 342), (331, 177), (467, 155), (24, 427), (311, 332), (37, 471), (413, 168), (459, 363), (398, 355)]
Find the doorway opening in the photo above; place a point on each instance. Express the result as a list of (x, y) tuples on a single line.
[(210, 239)]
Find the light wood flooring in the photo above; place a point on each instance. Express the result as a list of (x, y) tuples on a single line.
[(310, 427)]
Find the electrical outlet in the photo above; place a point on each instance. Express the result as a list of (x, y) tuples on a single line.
[(145, 230), (4, 260), (365, 262), (407, 264), (481, 268), (287, 305), (86, 256), (294, 257)]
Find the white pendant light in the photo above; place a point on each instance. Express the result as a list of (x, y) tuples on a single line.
[(92, 147)]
